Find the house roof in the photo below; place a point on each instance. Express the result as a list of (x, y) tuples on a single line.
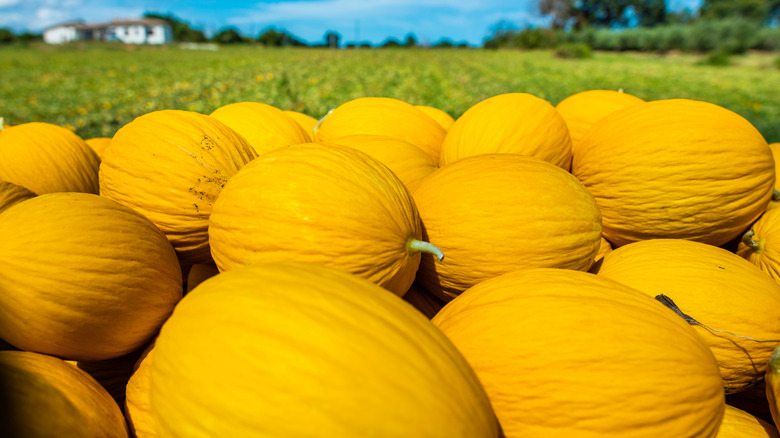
[(80, 24)]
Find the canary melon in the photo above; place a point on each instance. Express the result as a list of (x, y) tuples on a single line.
[(44, 396), (677, 168), (91, 280), (306, 121), (570, 354), (264, 126), (728, 300), (496, 213), (170, 166), (758, 244), (320, 203), (517, 123), (12, 194), (46, 158), (137, 403), (294, 349), (98, 144), (383, 116), (408, 162), (740, 424), (441, 117), (582, 110)]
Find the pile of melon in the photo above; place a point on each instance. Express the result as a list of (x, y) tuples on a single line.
[(605, 267)]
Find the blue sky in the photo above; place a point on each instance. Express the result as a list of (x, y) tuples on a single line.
[(366, 20)]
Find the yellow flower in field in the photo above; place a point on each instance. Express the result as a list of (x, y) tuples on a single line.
[(269, 76), (81, 110), (107, 105), (259, 78), (758, 105), (81, 123), (32, 100)]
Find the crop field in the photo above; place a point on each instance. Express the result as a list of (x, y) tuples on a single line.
[(97, 89)]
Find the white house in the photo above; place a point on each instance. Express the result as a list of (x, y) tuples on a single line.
[(142, 31)]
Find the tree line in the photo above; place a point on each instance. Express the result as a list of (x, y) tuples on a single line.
[(731, 25)]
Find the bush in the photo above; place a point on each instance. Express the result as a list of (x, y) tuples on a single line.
[(718, 58), (573, 51), (777, 62)]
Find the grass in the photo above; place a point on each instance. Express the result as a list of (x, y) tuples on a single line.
[(97, 89)]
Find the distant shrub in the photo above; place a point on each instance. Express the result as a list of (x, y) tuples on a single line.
[(573, 51), (777, 62), (767, 38), (718, 58)]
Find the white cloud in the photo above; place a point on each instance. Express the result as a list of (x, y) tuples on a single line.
[(9, 3)]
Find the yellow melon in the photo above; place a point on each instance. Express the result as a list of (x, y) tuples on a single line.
[(517, 123), (676, 168), (582, 110), (44, 396), (306, 121), (295, 349), (92, 280), (98, 144), (12, 194), (496, 213), (265, 127), (441, 117), (170, 166), (775, 202), (758, 244), (740, 424), (570, 354), (46, 158), (383, 116), (320, 203), (731, 302), (408, 162), (137, 403), (111, 374)]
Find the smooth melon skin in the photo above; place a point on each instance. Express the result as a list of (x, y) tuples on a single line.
[(676, 169), (564, 353), (496, 213), (320, 203), (46, 397), (740, 424), (91, 279), (516, 123), (11, 194), (737, 302), (264, 126), (383, 116), (46, 158), (294, 349), (170, 166)]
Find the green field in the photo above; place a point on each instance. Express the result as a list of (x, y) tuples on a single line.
[(97, 89)]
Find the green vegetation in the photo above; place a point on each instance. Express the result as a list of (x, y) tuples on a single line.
[(96, 89)]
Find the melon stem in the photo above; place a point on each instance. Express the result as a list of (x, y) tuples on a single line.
[(426, 247), (747, 239), (775, 193), (319, 122)]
